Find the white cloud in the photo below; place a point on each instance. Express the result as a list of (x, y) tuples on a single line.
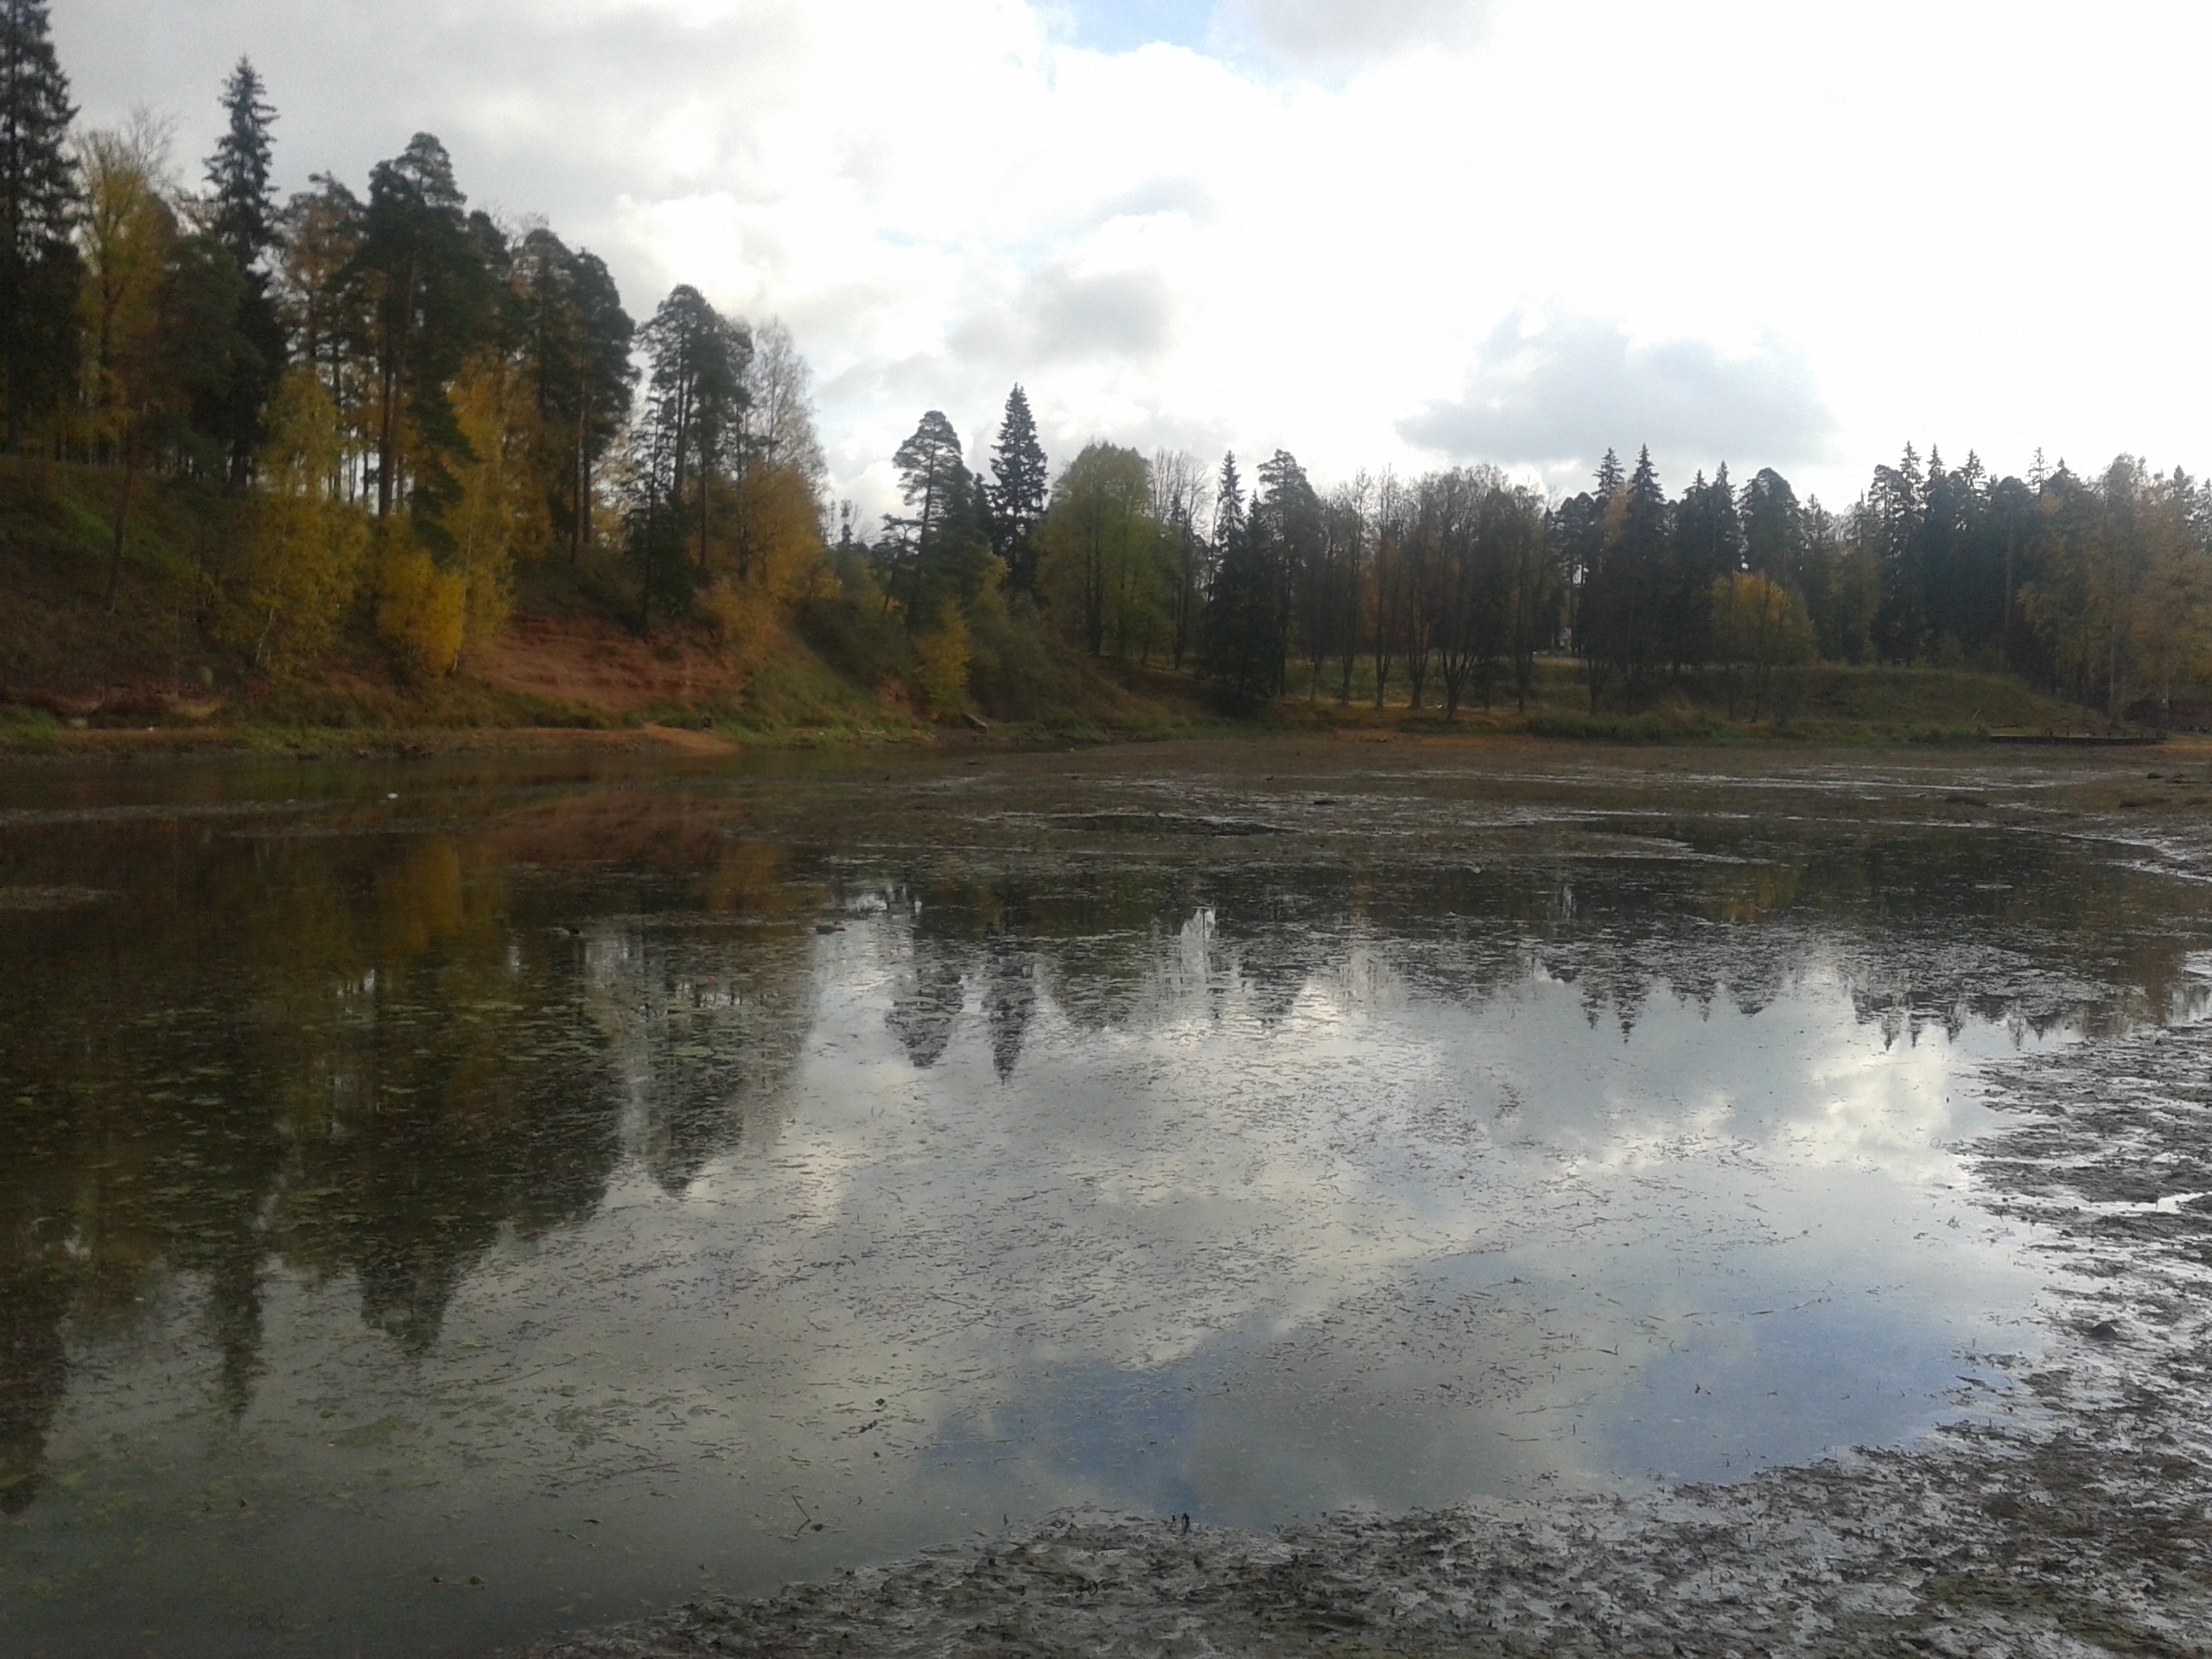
[(1268, 222), (1335, 33), (1557, 395)]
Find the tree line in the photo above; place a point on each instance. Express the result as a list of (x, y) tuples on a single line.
[(1443, 589)]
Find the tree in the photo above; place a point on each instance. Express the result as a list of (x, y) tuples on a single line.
[(1892, 526), (128, 233), (1622, 587), (1286, 534), (1244, 653), (1773, 540), (1395, 610), (575, 347), (241, 215), (426, 297), (38, 213), (1180, 500), (304, 559), (1755, 621), (1101, 569), (325, 313), (697, 399), (498, 513), (1019, 482), (933, 483), (1349, 529), (779, 413), (1707, 544)]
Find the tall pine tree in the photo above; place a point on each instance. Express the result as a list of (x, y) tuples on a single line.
[(39, 270), (1018, 492), (243, 219)]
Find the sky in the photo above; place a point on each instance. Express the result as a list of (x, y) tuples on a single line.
[(1377, 233)]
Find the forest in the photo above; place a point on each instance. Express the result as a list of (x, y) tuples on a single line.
[(399, 410)]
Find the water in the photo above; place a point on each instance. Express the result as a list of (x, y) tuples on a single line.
[(442, 1204)]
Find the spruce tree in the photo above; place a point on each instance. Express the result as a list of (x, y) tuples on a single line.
[(243, 219), (242, 202), (1017, 493), (39, 269)]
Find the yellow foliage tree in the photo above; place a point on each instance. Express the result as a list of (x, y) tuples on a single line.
[(1757, 623), (125, 238), (498, 513), (944, 654), (304, 562), (422, 611), (777, 534)]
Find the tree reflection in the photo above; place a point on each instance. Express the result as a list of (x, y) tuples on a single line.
[(371, 1058)]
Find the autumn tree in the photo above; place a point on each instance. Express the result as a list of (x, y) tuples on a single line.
[(308, 547), (325, 313), (1101, 571)]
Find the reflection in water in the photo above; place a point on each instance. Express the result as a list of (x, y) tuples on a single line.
[(372, 1182)]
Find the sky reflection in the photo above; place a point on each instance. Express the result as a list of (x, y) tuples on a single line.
[(415, 1239)]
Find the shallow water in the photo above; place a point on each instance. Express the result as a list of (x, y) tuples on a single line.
[(444, 1203)]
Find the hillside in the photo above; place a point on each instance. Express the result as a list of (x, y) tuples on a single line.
[(568, 657)]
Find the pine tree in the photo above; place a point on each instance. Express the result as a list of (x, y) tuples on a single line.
[(575, 350), (242, 202), (1242, 650), (697, 398), (1018, 492), (421, 281), (242, 218), (38, 209), (934, 483)]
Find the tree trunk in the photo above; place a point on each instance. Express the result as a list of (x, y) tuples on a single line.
[(121, 521)]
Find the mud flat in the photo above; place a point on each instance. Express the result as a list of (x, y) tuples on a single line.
[(2080, 1526), (2071, 1519)]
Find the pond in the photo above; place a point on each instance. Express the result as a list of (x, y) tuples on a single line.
[(444, 1203)]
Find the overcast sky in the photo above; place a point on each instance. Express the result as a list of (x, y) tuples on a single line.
[(1375, 232)]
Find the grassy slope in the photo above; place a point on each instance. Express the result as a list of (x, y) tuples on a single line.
[(571, 661)]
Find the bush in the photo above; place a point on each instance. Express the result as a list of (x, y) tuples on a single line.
[(941, 669), (422, 611)]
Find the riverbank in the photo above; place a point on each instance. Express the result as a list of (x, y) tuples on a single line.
[(1851, 707)]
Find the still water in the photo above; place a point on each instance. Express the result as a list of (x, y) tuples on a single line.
[(439, 1206)]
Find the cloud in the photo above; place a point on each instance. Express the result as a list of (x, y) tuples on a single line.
[(1126, 25), (1061, 315), (1560, 393), (1341, 33)]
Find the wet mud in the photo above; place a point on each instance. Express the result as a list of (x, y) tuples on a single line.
[(1480, 1180), (2077, 1521), (2084, 1526)]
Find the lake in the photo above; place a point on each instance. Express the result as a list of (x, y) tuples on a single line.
[(444, 1202)]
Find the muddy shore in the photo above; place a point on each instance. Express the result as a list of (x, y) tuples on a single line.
[(2075, 1518)]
